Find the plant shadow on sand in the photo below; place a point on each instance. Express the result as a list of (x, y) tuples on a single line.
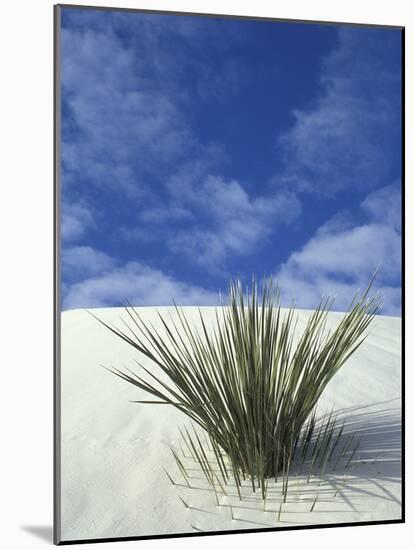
[(372, 478), (378, 457)]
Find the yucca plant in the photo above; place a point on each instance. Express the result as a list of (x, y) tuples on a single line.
[(248, 383)]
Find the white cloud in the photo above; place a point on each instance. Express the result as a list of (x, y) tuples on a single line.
[(137, 283), (82, 261), (75, 220), (124, 118), (129, 123), (128, 92), (339, 261), (231, 221), (346, 139), (160, 215), (384, 205), (355, 251)]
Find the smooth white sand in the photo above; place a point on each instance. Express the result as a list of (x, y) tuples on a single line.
[(113, 451)]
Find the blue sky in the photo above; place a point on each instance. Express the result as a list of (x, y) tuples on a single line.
[(196, 150)]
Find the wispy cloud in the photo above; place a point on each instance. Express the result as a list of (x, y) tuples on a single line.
[(79, 262), (160, 215), (128, 128), (121, 127), (77, 218), (140, 285), (231, 221), (339, 260), (127, 94), (385, 206), (344, 140)]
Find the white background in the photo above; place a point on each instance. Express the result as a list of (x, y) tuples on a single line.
[(26, 321)]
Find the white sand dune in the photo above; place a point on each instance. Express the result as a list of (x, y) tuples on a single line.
[(114, 451)]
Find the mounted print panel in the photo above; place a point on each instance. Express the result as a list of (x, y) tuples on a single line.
[(228, 280)]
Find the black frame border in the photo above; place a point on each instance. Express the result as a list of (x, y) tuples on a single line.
[(57, 271)]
